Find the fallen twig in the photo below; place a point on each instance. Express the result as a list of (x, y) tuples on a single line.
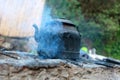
[(9, 55)]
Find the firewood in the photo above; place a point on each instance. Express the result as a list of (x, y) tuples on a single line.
[(25, 59), (9, 55)]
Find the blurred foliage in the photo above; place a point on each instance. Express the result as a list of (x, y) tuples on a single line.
[(97, 20)]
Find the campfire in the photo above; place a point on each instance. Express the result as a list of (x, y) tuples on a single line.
[(54, 45), (55, 41), (37, 45), (58, 42), (56, 53)]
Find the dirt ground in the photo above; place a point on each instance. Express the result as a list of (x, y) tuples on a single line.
[(61, 72)]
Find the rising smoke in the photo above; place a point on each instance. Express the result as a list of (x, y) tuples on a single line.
[(48, 36)]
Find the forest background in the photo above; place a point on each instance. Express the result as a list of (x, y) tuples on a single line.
[(98, 21)]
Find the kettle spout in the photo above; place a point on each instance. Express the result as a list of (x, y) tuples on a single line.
[(36, 35), (36, 27)]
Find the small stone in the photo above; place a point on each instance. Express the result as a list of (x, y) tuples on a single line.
[(2, 39), (75, 71), (3, 78), (4, 70), (74, 78), (54, 72), (7, 45), (64, 73), (42, 75), (63, 78), (54, 78)]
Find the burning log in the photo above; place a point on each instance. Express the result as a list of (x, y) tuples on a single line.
[(24, 59)]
